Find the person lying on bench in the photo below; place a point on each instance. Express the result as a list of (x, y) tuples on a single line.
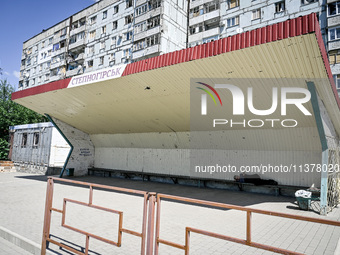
[(254, 179)]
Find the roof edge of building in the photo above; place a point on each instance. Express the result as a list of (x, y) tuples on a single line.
[(271, 33)]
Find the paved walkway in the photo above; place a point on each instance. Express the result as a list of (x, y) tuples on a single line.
[(22, 198), (8, 248)]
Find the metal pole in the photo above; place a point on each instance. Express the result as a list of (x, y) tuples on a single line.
[(48, 213), (151, 225), (324, 147), (248, 227)]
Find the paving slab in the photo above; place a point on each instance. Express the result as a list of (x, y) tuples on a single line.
[(22, 199)]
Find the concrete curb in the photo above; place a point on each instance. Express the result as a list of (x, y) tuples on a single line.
[(20, 241)]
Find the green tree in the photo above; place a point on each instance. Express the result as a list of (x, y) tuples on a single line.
[(12, 114)]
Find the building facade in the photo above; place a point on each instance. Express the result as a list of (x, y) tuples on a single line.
[(112, 32), (212, 20), (107, 33), (333, 36)]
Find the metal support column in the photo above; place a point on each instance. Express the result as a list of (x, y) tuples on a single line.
[(324, 146)]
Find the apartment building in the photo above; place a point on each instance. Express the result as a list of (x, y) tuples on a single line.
[(333, 23), (212, 20), (107, 33)]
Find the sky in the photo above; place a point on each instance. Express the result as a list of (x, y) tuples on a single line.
[(22, 19)]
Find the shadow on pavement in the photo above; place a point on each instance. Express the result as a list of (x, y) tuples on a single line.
[(240, 198)]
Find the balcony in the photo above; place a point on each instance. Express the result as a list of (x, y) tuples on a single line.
[(204, 17), (140, 2), (74, 72), (80, 57), (147, 51), (147, 33), (335, 68), (333, 21), (76, 44), (55, 78), (148, 15), (57, 64), (334, 45), (204, 34), (77, 30), (59, 51)]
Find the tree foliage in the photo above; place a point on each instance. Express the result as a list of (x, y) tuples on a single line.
[(12, 114)]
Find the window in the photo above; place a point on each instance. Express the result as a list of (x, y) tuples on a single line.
[(104, 14), (33, 81), (126, 53), (256, 14), (154, 4), (104, 30), (90, 63), (36, 140), (101, 60), (337, 81), (233, 4), (63, 31), (47, 77), (140, 27), (49, 53), (334, 33), (91, 50), (113, 41), (139, 45), (24, 140), (127, 36), (62, 44), (153, 22), (211, 6), (129, 3), (115, 9), (73, 39), (152, 40), (55, 46), (40, 67), (333, 8), (128, 19), (233, 21), (92, 34), (303, 2), (43, 44), (50, 41), (93, 20), (280, 7), (196, 29), (112, 59), (334, 57), (102, 46), (114, 25), (141, 10), (194, 12)]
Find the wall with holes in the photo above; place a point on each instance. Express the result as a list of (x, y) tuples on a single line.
[(82, 156)]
